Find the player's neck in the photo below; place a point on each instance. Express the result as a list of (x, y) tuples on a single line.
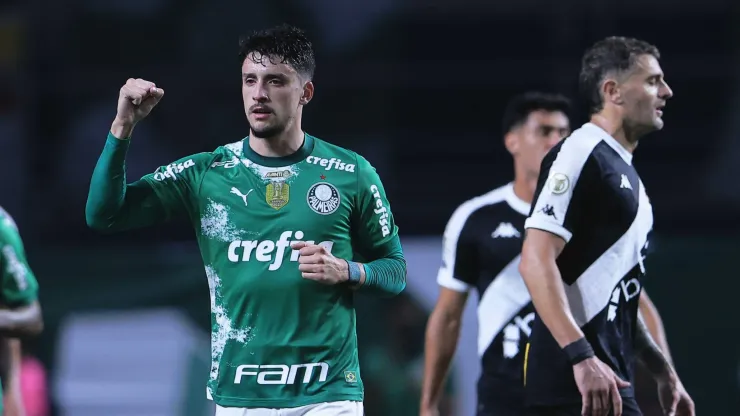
[(616, 128), (524, 186), (284, 144)]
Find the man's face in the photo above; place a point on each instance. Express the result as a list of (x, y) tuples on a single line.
[(273, 93), (644, 93), (530, 142)]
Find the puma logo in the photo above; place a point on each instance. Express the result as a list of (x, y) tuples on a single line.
[(241, 195)]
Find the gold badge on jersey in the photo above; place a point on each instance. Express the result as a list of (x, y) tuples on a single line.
[(277, 192)]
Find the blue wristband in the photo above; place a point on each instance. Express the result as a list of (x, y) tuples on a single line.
[(353, 270)]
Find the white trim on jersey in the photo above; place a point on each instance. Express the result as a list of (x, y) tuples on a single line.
[(552, 203), (611, 141), (591, 293), (500, 302), (515, 202), (445, 276)]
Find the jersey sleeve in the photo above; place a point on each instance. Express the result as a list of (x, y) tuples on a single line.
[(459, 269), (567, 175), (114, 204), (177, 184), (19, 285), (376, 227)]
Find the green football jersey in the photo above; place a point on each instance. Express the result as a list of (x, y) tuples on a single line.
[(19, 285), (279, 340)]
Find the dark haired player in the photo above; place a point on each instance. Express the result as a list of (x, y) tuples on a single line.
[(586, 240), (280, 217), (482, 248)]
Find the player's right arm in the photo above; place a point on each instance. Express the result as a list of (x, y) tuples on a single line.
[(112, 203), (547, 231), (440, 344), (456, 276)]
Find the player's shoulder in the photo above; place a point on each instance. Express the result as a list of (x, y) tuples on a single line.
[(573, 152), (195, 165), (336, 157), (8, 227), (6, 220), (235, 148), (184, 167), (476, 205), (582, 141), (227, 155)]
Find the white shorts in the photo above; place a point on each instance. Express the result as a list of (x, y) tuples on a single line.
[(344, 408)]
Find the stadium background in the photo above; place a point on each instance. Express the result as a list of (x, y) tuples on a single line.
[(418, 88)]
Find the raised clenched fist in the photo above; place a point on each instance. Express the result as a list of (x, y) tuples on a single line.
[(136, 99)]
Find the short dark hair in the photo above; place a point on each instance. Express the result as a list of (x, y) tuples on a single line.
[(521, 106), (287, 43), (613, 54)]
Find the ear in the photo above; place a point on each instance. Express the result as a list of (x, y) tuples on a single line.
[(307, 93), (611, 92), (511, 141)]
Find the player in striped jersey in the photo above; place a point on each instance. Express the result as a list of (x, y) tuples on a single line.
[(482, 247), (585, 245)]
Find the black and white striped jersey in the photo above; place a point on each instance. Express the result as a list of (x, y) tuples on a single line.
[(481, 250), (589, 194)]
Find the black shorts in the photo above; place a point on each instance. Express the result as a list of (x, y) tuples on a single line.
[(629, 408), (500, 396), (500, 409)]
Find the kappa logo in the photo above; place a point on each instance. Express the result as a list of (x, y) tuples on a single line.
[(171, 170), (625, 183), (329, 164), (505, 230), (323, 198), (549, 211)]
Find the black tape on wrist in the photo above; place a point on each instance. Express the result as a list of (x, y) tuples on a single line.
[(578, 351)]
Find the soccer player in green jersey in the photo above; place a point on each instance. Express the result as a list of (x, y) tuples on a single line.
[(288, 226), (20, 313)]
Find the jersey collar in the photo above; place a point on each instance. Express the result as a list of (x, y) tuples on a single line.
[(517, 204), (275, 162), (611, 141)]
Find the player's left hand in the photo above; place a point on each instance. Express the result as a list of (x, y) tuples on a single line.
[(318, 264), (674, 399)]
